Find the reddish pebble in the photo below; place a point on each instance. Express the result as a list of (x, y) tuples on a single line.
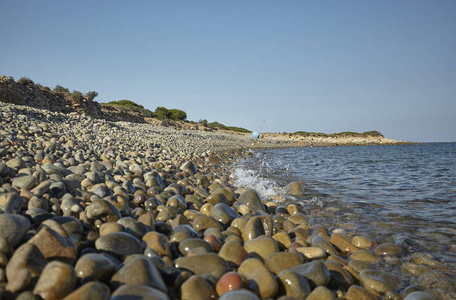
[(228, 282), (295, 245), (214, 241)]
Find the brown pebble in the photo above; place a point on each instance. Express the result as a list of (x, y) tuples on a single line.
[(197, 288), (259, 278), (57, 280)]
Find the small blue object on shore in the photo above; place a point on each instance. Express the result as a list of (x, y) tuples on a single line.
[(255, 135)]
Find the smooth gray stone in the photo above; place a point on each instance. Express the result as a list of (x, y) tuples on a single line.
[(118, 244), (13, 228), (252, 200)]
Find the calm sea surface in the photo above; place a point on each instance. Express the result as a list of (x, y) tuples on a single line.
[(403, 194)]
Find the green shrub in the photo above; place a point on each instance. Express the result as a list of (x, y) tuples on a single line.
[(76, 96), (306, 133), (177, 114), (26, 81), (161, 112), (130, 105), (203, 122), (126, 103), (60, 89), (373, 133), (91, 95), (217, 125), (170, 114), (238, 129), (348, 133)]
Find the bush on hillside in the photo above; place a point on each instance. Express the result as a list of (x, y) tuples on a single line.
[(91, 95), (60, 89), (238, 129), (373, 133), (130, 105), (215, 125), (170, 114), (26, 81), (348, 133), (177, 114), (161, 112), (76, 97), (306, 133), (202, 122)]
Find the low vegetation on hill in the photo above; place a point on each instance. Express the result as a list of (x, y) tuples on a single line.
[(344, 133), (85, 103), (217, 125), (130, 105)]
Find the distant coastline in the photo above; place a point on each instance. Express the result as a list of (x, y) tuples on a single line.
[(25, 92)]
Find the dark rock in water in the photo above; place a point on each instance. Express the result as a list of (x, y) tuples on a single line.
[(388, 249), (419, 295), (295, 188), (378, 281)]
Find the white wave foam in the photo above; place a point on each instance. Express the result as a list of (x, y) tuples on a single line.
[(266, 188)]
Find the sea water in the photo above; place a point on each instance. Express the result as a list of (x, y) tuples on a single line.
[(401, 194)]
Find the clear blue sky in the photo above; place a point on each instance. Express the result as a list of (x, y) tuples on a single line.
[(268, 66)]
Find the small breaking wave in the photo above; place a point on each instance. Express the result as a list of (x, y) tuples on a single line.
[(266, 188)]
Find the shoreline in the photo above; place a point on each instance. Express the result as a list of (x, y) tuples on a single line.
[(134, 210)]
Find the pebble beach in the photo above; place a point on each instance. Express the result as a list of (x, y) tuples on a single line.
[(94, 209)]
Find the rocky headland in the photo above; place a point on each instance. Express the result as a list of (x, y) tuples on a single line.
[(92, 208)]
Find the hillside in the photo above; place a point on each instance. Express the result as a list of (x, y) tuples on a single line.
[(26, 92)]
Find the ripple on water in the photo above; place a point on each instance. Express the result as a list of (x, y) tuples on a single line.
[(399, 194)]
